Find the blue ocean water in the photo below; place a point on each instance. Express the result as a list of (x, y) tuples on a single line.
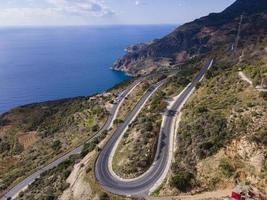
[(40, 64)]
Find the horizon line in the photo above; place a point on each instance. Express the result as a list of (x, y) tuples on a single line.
[(87, 25)]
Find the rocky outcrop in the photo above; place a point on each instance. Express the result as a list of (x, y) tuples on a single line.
[(198, 37)]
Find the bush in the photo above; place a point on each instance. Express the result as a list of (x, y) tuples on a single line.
[(63, 166), (182, 180), (149, 126), (118, 121), (227, 169), (183, 81), (201, 109), (4, 146), (261, 136), (162, 77), (263, 95), (89, 169), (209, 74), (88, 147), (104, 196), (206, 145), (198, 85), (95, 128), (56, 145)]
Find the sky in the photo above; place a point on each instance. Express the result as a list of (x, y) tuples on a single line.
[(105, 12)]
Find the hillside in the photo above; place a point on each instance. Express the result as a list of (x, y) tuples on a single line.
[(34, 135), (221, 140), (202, 36)]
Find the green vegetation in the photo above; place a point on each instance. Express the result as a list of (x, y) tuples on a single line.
[(257, 71), (104, 196), (118, 121), (33, 135), (206, 126), (206, 137), (56, 146), (227, 169), (88, 147), (263, 95), (182, 180), (90, 122), (261, 136), (51, 184)]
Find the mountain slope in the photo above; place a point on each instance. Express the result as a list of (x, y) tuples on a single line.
[(217, 30)]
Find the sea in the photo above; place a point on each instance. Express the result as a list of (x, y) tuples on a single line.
[(47, 63)]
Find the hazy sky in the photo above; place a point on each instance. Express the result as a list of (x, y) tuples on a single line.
[(97, 12)]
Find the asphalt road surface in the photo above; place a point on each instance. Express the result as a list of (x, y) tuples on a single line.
[(141, 186), (113, 114)]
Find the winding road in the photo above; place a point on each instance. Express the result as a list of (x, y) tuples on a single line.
[(142, 185), (113, 114)]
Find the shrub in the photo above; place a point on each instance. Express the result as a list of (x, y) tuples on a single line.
[(104, 196), (95, 128), (206, 145), (56, 145), (183, 81), (88, 147), (149, 126), (162, 77), (198, 85), (89, 169), (263, 95), (261, 136), (118, 121), (209, 74), (227, 169), (201, 109), (4, 146), (62, 166), (182, 180)]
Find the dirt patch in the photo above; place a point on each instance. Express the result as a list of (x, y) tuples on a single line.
[(28, 139), (219, 194)]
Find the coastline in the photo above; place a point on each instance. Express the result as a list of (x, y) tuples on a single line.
[(65, 66), (62, 100)]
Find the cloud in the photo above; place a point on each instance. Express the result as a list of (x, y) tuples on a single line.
[(55, 12), (139, 2), (82, 7)]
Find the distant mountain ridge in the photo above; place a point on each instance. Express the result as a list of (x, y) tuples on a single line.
[(198, 37)]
